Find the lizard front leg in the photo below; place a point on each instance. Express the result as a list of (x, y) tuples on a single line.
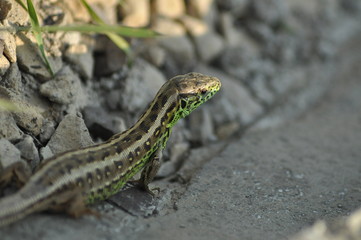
[(150, 171)]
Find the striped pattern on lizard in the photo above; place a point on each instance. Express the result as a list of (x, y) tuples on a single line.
[(74, 179)]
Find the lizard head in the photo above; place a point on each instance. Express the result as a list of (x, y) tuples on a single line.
[(193, 90)]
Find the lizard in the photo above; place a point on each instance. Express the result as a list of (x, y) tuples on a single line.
[(73, 180)]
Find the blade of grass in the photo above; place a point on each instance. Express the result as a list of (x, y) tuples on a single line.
[(88, 28), (119, 41), (36, 29), (6, 105), (22, 4)]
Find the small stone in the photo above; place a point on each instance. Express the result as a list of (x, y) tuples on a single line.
[(142, 84), (236, 7), (46, 152), (12, 79), (30, 60), (351, 5), (201, 133), (18, 15), (227, 130), (9, 45), (170, 8), (5, 7), (237, 37), (259, 85), (235, 61), (70, 134), (137, 13), (47, 131), (179, 49), (28, 150), (4, 65), (27, 116), (269, 11), (168, 27), (109, 58), (8, 128), (11, 164), (65, 88), (82, 59), (200, 8), (208, 44), (155, 54)]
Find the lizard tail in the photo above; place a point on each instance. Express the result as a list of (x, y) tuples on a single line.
[(15, 207)]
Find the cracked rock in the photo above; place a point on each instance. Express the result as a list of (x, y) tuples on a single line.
[(11, 165), (65, 88), (70, 134), (28, 150), (8, 127)]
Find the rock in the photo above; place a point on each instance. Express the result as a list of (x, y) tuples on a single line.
[(179, 51), (208, 44), (70, 134), (5, 7), (45, 153), (4, 65), (236, 7), (168, 27), (236, 37), (65, 88), (283, 48), (310, 7), (8, 128), (18, 15), (170, 8), (137, 13), (30, 60), (9, 44), (351, 5), (112, 99), (27, 115), (260, 31), (109, 58), (82, 59), (259, 84), (47, 131), (201, 126), (200, 8), (289, 79), (344, 228), (101, 124), (141, 86), (105, 10), (234, 102), (12, 79), (71, 38), (236, 61), (154, 54), (28, 150), (270, 12), (11, 165)]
